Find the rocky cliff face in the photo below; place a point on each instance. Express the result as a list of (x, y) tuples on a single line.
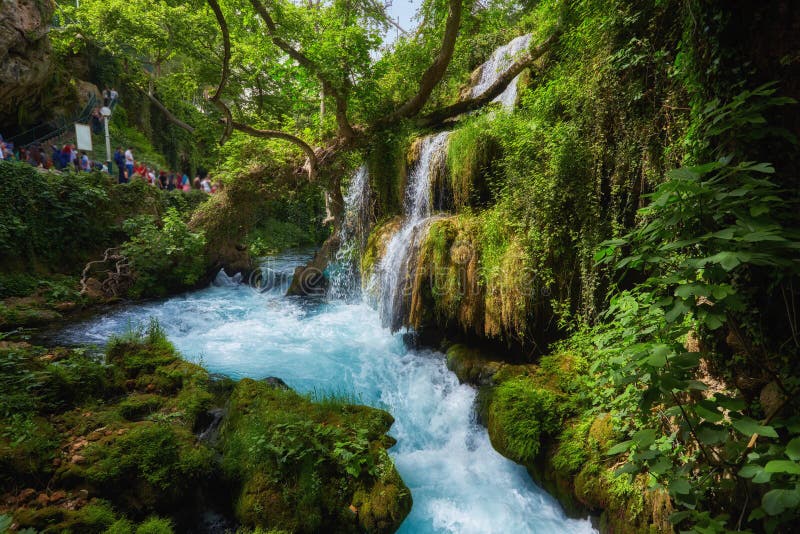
[(25, 59)]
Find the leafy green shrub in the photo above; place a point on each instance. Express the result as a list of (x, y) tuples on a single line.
[(163, 259), (17, 285), (272, 236), (39, 210), (718, 239)]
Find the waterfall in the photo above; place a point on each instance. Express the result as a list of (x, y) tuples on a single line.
[(498, 63), (396, 267), (353, 235)]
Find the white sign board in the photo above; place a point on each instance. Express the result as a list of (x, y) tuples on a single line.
[(83, 135)]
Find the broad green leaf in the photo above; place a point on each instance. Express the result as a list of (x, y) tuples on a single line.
[(765, 168), (777, 501), (697, 385), (619, 448), (726, 233), (658, 357), (644, 455), (748, 427), (793, 449), (782, 466), (660, 466), (750, 470), (709, 435), (677, 310), (687, 290), (677, 517), (734, 405), (679, 486), (762, 477), (727, 260), (707, 414)]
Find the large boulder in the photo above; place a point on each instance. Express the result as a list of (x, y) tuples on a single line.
[(302, 466)]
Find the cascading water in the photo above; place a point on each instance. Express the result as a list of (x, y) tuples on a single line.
[(353, 236), (459, 483), (498, 63), (395, 268)]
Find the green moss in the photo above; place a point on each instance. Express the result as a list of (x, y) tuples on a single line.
[(95, 517), (447, 286), (386, 161), (471, 152), (521, 416), (155, 525), (472, 365), (120, 526), (571, 452), (139, 405), (159, 462), (141, 350)]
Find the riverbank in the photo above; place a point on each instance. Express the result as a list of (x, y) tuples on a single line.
[(141, 436), (538, 415)]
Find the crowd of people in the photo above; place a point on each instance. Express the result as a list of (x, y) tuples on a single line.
[(128, 170), (68, 157)]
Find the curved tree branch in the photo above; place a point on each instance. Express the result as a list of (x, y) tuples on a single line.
[(434, 74), (494, 90), (216, 98), (277, 134), (167, 113), (345, 129)]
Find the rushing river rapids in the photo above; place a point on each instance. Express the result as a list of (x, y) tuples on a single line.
[(458, 481)]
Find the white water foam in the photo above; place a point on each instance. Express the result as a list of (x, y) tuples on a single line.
[(459, 483)]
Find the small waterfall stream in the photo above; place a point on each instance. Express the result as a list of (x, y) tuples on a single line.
[(497, 64), (395, 268), (353, 237)]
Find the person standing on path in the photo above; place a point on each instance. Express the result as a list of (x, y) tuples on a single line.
[(129, 162), (119, 159)]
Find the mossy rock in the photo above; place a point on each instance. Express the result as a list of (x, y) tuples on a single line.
[(306, 466), (26, 312), (472, 365), (521, 416), (136, 358), (158, 464), (94, 517)]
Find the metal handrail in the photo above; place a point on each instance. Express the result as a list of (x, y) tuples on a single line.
[(82, 117)]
